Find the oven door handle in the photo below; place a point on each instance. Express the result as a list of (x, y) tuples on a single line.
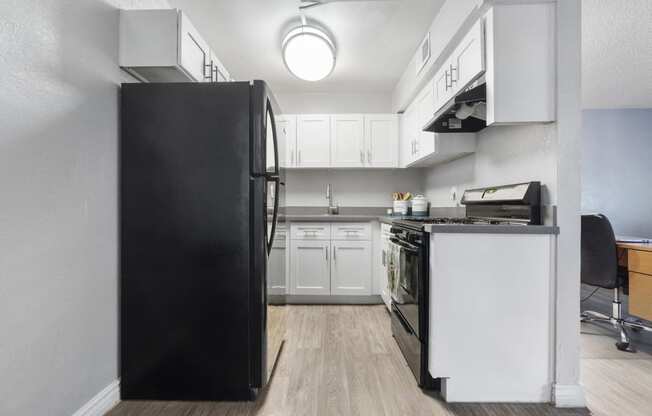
[(405, 246)]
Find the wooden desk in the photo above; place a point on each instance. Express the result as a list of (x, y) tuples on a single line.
[(637, 257)]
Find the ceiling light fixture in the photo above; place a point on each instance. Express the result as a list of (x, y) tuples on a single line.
[(308, 52)]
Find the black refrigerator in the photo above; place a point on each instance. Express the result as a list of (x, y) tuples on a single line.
[(200, 193)]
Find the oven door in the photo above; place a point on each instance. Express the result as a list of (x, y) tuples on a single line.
[(405, 294)]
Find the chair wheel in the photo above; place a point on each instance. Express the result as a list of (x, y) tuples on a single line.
[(624, 346)]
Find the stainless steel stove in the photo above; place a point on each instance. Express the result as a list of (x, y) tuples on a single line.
[(518, 204)]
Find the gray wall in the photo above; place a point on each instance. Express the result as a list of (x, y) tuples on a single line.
[(333, 103), (58, 216), (351, 188), (505, 154), (616, 168)]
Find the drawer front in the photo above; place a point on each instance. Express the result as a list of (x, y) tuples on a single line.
[(310, 231), (640, 261), (360, 231), (640, 295)]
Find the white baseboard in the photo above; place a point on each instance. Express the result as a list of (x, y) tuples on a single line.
[(569, 395), (102, 402)]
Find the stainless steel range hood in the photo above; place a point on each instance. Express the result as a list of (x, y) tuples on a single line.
[(465, 113)]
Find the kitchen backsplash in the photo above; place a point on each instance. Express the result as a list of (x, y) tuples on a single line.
[(351, 188)]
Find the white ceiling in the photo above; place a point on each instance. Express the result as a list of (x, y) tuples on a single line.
[(617, 53), (375, 39)]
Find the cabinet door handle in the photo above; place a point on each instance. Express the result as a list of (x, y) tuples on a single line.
[(447, 76), (326, 252), (384, 258), (299, 157), (453, 79), (291, 156), (210, 69), (361, 156), (335, 254), (369, 156)]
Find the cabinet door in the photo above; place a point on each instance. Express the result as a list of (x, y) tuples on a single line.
[(381, 140), (408, 137), (426, 110), (194, 53), (351, 268), (441, 87), (276, 284), (467, 62), (218, 71), (313, 141), (347, 141), (310, 267), (286, 127)]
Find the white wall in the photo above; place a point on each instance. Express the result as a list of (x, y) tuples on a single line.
[(616, 167), (58, 217), (351, 188), (616, 54), (505, 155), (333, 103)]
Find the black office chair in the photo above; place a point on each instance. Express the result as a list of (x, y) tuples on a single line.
[(600, 268)]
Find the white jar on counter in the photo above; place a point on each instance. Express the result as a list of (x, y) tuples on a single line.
[(420, 206), (401, 207)]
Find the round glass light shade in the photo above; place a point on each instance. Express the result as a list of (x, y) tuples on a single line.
[(308, 53)]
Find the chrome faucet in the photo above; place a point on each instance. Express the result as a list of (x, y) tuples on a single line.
[(332, 209)]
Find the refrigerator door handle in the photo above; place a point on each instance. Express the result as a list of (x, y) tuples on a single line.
[(274, 135), (277, 185)]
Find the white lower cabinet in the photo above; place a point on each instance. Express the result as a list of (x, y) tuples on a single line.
[(351, 268), (276, 264), (310, 267), (341, 266)]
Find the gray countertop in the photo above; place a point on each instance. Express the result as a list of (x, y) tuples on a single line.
[(364, 214), (491, 229), (332, 218)]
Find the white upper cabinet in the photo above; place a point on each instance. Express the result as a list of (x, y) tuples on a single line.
[(467, 62), (347, 141), (194, 53), (164, 46), (313, 141), (286, 128), (421, 148), (409, 135), (340, 140), (521, 62), (218, 72), (465, 65), (442, 91), (381, 140), (426, 110)]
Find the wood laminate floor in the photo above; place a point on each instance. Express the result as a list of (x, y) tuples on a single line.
[(343, 361)]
